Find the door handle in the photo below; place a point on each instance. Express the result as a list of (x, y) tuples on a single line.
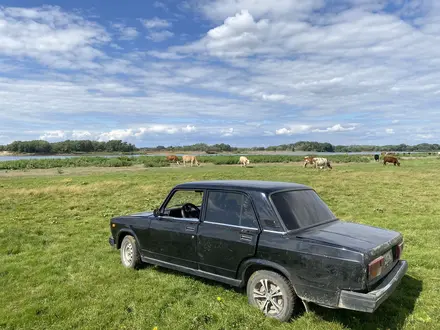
[(247, 231), (246, 238), (190, 228)]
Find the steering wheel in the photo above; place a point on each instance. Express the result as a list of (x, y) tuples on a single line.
[(186, 209)]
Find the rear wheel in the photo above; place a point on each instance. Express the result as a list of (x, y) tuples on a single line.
[(130, 256), (272, 293)]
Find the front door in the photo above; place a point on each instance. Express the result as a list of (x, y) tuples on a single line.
[(171, 236), (228, 234)]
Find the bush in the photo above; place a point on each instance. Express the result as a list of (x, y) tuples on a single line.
[(155, 162)]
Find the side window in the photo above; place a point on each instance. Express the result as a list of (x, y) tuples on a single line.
[(180, 198), (230, 208)]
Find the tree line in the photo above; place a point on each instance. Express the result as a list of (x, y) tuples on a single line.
[(85, 146), (68, 146)]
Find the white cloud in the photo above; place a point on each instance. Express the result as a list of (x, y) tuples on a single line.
[(389, 131), (155, 23), (189, 129), (164, 55), (291, 28), (82, 135), (293, 8), (129, 134), (139, 133), (424, 136), (227, 131), (395, 121), (273, 97), (53, 135), (157, 29), (158, 36), (158, 4), (51, 36), (336, 128), (126, 32), (293, 129)]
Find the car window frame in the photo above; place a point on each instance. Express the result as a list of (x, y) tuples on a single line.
[(171, 194), (281, 220), (203, 217)]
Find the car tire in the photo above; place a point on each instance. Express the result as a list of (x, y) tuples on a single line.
[(130, 256), (279, 301)]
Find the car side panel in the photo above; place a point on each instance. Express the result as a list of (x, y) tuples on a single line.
[(222, 248), (318, 272), (133, 225), (172, 240)]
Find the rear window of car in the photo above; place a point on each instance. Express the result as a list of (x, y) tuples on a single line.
[(301, 208)]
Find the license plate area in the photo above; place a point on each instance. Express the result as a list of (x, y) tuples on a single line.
[(387, 259)]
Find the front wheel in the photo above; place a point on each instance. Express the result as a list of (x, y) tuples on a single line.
[(130, 256), (272, 293)]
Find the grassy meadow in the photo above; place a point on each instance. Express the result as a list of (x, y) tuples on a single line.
[(161, 161), (57, 270)]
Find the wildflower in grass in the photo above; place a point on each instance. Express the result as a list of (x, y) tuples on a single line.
[(155, 328), (219, 299)]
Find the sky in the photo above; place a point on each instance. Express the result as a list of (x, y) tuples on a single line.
[(242, 72)]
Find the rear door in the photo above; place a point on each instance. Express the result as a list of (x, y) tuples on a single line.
[(228, 233)]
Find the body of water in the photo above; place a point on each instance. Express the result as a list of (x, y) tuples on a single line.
[(294, 153)]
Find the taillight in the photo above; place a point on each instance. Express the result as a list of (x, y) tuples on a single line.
[(375, 267), (399, 250)]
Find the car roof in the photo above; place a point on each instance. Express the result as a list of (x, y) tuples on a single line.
[(256, 185)]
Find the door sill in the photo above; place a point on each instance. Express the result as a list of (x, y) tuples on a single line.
[(191, 271)]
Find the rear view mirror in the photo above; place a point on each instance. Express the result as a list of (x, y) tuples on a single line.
[(156, 212)]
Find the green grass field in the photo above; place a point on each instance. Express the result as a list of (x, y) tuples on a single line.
[(57, 270)]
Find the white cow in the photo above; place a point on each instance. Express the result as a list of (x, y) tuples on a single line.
[(321, 163), (244, 161)]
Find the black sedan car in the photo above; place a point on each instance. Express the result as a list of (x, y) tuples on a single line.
[(278, 239)]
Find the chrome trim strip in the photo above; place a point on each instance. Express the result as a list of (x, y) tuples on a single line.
[(180, 219), (275, 232), (234, 226)]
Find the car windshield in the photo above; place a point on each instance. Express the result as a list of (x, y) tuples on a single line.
[(301, 208)]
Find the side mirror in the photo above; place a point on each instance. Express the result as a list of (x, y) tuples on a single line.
[(156, 212)]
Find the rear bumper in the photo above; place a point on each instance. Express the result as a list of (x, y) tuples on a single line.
[(111, 241), (369, 302)]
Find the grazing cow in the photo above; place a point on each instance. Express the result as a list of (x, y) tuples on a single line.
[(391, 159), (244, 161), (190, 159), (308, 160), (376, 158), (173, 158), (321, 163)]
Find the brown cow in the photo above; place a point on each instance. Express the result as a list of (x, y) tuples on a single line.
[(308, 160), (190, 159), (173, 158), (391, 159)]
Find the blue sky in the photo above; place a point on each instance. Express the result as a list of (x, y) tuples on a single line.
[(243, 72)]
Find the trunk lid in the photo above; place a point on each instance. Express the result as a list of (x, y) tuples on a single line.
[(372, 241)]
